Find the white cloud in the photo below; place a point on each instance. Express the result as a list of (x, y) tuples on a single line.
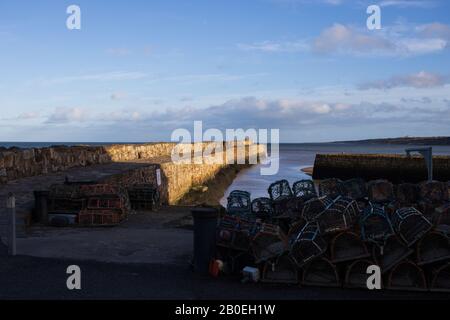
[(66, 115), (271, 46), (118, 52), (408, 3), (108, 76), (418, 80)]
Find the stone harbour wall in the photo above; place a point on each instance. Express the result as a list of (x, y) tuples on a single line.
[(176, 179), (396, 168)]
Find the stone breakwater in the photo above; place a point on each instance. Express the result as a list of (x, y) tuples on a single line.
[(395, 168), (176, 179)]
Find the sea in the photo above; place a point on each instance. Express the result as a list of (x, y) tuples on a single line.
[(292, 158)]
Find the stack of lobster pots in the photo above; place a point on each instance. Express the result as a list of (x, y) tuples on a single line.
[(329, 234)]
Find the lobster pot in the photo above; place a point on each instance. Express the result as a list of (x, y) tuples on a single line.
[(295, 229), (375, 224), (410, 225), (332, 188), (268, 243), (287, 208), (434, 192), (282, 270), (434, 247), (65, 199), (407, 194), (143, 197), (308, 245), (279, 190), (356, 274), (347, 246), (262, 209), (393, 252), (304, 189), (339, 217), (441, 279), (380, 191), (407, 276), (234, 233), (355, 189), (239, 204), (313, 208), (321, 272)]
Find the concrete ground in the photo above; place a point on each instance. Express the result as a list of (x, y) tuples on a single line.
[(147, 257)]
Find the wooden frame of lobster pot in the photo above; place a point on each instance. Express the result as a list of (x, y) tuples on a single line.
[(410, 225), (380, 191), (407, 276), (234, 233), (407, 194), (321, 273), (356, 274), (308, 245), (281, 270), (313, 208), (339, 217), (433, 247), (355, 189), (268, 243), (376, 227), (347, 246), (441, 279), (393, 252)]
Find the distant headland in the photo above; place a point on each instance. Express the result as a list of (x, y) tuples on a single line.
[(431, 141)]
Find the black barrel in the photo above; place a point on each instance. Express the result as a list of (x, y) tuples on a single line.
[(205, 224), (41, 208)]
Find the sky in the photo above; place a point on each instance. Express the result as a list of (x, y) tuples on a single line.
[(138, 70)]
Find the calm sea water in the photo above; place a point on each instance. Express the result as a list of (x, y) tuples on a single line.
[(294, 157)]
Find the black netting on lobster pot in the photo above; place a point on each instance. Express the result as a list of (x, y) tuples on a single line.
[(356, 274), (434, 247), (304, 189), (434, 192), (341, 216), (268, 243), (410, 225), (347, 246), (262, 209), (321, 272), (380, 191), (441, 279), (407, 276), (313, 208), (280, 270), (407, 194), (375, 224), (279, 190), (392, 253), (331, 187), (239, 203), (355, 188), (308, 245)]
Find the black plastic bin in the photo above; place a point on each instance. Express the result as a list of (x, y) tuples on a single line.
[(205, 224), (41, 206)]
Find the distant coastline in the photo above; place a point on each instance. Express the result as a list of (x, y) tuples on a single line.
[(431, 141)]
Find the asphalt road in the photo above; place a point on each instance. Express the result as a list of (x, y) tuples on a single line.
[(24, 277)]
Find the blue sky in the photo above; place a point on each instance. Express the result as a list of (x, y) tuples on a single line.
[(137, 70)]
